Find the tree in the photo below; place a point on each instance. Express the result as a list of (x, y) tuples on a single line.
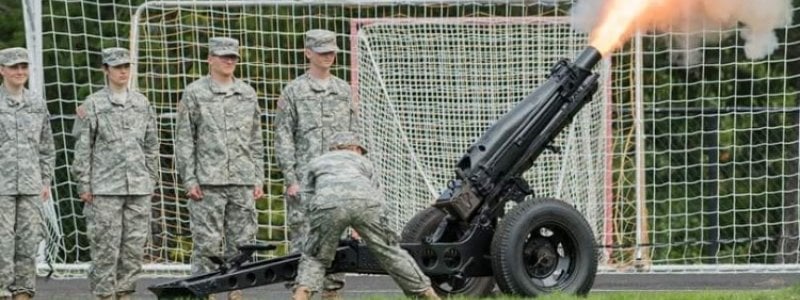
[(12, 28)]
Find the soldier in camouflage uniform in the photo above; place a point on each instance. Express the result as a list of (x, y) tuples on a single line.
[(219, 153), (27, 154), (311, 109), (342, 190), (116, 166)]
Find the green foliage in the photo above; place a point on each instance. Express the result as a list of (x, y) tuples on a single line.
[(12, 29), (182, 250), (703, 161)]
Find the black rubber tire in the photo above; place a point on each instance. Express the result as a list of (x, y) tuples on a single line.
[(423, 224), (541, 246)]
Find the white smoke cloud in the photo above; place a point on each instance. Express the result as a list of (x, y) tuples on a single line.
[(698, 22)]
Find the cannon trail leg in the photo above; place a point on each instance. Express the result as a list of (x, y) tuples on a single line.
[(418, 229)]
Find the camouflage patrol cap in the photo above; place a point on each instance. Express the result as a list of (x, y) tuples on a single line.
[(321, 41), (116, 56), (346, 138), (13, 56), (222, 46)]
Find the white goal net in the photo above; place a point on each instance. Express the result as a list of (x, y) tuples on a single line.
[(428, 88)]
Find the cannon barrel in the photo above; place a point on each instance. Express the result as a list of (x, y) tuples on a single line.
[(510, 146)]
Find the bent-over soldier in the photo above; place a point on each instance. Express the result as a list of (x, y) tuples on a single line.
[(343, 190)]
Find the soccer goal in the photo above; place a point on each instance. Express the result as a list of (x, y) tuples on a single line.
[(429, 87)]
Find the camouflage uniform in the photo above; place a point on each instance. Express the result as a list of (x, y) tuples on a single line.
[(308, 115), (219, 146), (27, 155), (116, 160), (343, 190)]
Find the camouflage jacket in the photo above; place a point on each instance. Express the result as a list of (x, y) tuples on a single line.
[(116, 152), (218, 139), (308, 115), (338, 176), (27, 151)]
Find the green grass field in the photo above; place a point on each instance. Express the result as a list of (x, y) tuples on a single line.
[(792, 293)]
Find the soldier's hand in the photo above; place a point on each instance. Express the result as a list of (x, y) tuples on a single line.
[(195, 193), (46, 192), (293, 189), (258, 192), (87, 197)]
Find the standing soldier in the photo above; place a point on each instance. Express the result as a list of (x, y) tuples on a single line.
[(342, 189), (219, 153), (116, 166), (311, 109), (27, 154)]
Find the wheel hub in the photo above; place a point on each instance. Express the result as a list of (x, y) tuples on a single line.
[(541, 258)]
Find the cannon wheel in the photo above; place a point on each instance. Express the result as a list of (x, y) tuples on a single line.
[(425, 223), (541, 246)]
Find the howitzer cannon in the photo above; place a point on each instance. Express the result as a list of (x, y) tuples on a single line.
[(466, 242)]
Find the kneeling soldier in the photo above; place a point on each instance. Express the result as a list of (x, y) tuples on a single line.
[(344, 191)]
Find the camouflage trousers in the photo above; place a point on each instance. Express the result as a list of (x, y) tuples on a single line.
[(21, 231), (118, 228), (295, 216), (226, 213), (298, 231), (367, 218)]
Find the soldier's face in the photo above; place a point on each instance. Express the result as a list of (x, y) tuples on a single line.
[(118, 75), (15, 75), (222, 65), (321, 60)]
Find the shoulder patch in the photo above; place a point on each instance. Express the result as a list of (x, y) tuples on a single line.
[(81, 112)]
